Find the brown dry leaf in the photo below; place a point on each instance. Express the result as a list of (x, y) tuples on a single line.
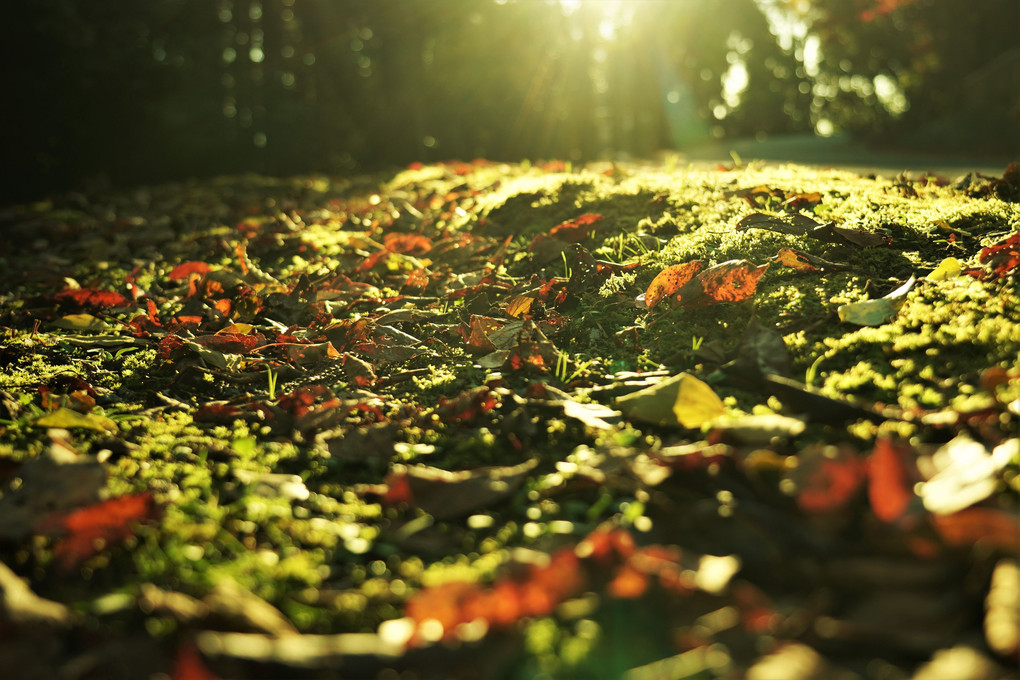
[(444, 494)]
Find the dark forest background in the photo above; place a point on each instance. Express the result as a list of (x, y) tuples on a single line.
[(129, 91)]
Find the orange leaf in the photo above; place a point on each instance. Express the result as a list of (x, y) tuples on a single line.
[(629, 583), (89, 529), (183, 271), (828, 479), (519, 305), (731, 281), (792, 258), (891, 488), (670, 280), (986, 525)]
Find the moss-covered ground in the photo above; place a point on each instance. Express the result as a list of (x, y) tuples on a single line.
[(369, 427)]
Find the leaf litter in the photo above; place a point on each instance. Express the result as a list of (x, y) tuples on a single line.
[(324, 425)]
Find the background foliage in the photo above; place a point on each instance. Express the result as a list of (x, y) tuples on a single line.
[(120, 91)]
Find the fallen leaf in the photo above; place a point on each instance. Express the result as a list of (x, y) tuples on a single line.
[(577, 229), (22, 607), (949, 268), (670, 280), (186, 269), (788, 257), (731, 281), (519, 305), (680, 400), (188, 664), (83, 323), (996, 528), (828, 478), (444, 494), (67, 419), (1001, 259), (891, 479), (89, 530), (876, 312), (92, 298)]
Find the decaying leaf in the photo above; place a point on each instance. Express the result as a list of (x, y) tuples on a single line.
[(689, 287), (670, 280)]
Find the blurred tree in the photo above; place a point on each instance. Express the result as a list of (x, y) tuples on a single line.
[(939, 73)]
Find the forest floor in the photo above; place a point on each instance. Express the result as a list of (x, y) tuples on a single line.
[(477, 420)]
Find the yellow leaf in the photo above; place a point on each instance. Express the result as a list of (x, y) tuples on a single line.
[(681, 400), (82, 322), (948, 268), (66, 418)]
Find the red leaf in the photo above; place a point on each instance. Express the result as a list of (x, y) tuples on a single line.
[(90, 529), (233, 343), (1003, 258), (91, 298), (188, 664), (577, 229), (467, 405), (670, 280), (185, 270), (891, 486)]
